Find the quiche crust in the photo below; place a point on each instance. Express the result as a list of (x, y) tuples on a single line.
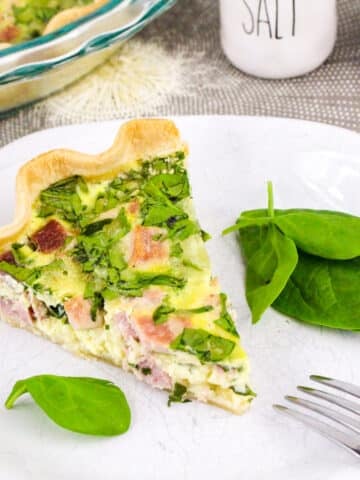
[(71, 15)]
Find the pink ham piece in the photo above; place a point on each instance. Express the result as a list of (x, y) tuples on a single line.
[(50, 237), (140, 325), (16, 312), (133, 207), (145, 248), (161, 335), (78, 311), (123, 322), (157, 377), (152, 298)]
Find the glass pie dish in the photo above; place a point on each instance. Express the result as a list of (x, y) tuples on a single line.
[(34, 69)]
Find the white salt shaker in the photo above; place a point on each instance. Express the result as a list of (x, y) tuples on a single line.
[(278, 38)]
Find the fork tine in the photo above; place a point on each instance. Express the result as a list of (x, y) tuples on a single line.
[(338, 384), (334, 415), (343, 439), (329, 397)]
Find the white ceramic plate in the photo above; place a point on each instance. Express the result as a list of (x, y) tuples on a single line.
[(231, 158)]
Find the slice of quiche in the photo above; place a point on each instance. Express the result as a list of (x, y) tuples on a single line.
[(106, 258)]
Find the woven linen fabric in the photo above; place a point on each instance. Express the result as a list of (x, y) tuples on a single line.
[(206, 83)]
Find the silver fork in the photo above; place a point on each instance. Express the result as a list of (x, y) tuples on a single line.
[(350, 437)]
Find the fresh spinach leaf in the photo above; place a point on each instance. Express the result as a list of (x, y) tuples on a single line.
[(331, 235), (244, 222), (80, 404), (323, 233), (323, 292), (268, 267), (207, 347), (327, 234), (303, 262)]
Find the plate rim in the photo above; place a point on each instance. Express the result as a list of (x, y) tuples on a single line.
[(120, 121)]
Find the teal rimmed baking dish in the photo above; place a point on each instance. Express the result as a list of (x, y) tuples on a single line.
[(34, 69)]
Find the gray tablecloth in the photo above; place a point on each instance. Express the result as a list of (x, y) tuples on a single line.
[(191, 29)]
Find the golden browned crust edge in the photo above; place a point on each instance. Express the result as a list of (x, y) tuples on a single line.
[(71, 15), (136, 139), (65, 17)]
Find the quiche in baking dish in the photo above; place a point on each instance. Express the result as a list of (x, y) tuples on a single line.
[(23, 20), (105, 257)]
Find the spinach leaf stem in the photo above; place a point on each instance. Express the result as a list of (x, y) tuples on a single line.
[(270, 199)]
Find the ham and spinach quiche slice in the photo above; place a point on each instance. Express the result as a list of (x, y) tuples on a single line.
[(106, 258)]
